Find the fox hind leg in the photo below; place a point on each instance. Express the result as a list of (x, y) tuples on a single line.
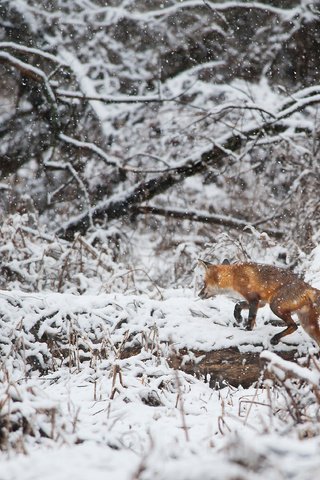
[(309, 320), (285, 315)]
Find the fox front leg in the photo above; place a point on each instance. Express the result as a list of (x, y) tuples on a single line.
[(253, 308), (238, 309)]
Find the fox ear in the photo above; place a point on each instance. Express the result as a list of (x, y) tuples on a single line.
[(204, 264), (226, 262)]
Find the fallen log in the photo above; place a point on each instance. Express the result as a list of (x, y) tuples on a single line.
[(226, 366)]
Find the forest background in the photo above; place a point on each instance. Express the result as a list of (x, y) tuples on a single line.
[(136, 137)]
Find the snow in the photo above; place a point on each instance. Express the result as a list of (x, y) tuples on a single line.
[(72, 403), (282, 365), (181, 318), (22, 48), (122, 437), (87, 88), (136, 417)]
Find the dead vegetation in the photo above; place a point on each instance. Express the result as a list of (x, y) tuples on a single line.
[(46, 335)]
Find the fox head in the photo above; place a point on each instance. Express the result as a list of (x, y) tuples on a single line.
[(211, 285)]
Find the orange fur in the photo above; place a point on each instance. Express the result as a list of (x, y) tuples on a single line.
[(257, 284)]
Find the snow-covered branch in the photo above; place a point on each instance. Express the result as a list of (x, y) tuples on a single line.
[(28, 70), (109, 99), (16, 47), (125, 203), (204, 217), (284, 369), (299, 105)]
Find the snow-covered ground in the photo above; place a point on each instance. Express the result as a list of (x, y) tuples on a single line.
[(96, 414)]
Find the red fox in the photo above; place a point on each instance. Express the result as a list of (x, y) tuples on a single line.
[(258, 285)]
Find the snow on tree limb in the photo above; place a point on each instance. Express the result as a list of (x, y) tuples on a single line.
[(91, 147), (87, 87), (122, 204), (108, 99), (28, 70), (299, 105), (204, 217), (31, 51), (125, 204), (222, 6), (282, 368)]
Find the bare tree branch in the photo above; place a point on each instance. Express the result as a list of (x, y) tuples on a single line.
[(197, 216), (31, 51), (123, 204), (109, 99), (126, 203)]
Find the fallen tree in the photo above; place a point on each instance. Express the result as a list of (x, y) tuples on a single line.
[(226, 366)]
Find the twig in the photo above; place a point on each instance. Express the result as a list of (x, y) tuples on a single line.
[(147, 275), (69, 167), (92, 147), (180, 402)]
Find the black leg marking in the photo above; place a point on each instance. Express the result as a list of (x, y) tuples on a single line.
[(290, 329), (275, 339), (237, 310)]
